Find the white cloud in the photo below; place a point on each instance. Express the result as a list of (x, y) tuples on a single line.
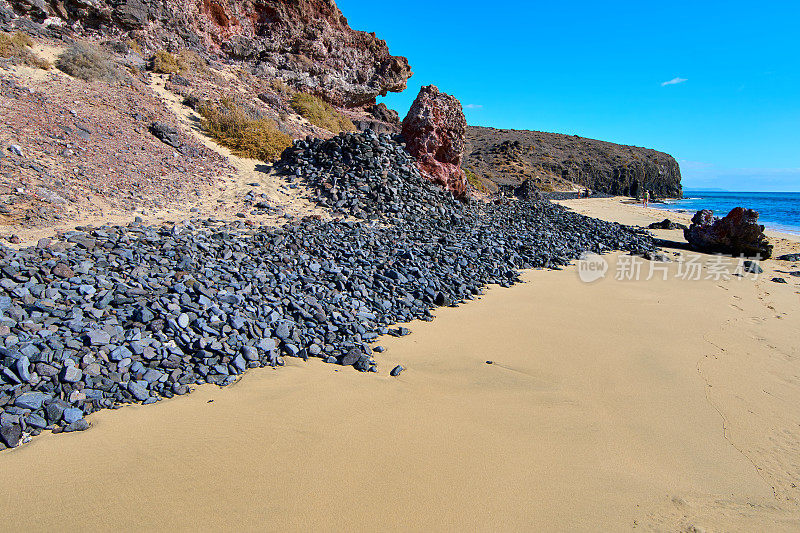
[(673, 81), (474, 106)]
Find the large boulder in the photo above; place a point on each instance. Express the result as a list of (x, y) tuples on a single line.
[(434, 131), (131, 14), (738, 233)]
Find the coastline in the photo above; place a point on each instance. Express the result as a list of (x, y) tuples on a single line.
[(668, 205), (612, 405), (628, 211)]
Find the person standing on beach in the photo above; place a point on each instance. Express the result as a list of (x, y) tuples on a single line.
[(646, 197)]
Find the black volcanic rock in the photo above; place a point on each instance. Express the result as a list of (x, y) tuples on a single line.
[(148, 312), (666, 224)]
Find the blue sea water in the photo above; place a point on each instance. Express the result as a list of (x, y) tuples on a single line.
[(778, 210)]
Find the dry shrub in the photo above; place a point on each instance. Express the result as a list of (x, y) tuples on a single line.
[(280, 87), (248, 136), (17, 47), (320, 113), (165, 63), (475, 181), (182, 63), (133, 46), (189, 61), (89, 63)]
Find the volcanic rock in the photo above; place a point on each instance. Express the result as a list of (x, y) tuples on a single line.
[(738, 233), (11, 435), (31, 400), (306, 43), (219, 298), (384, 114), (166, 134), (752, 267), (666, 224), (527, 191), (434, 131)]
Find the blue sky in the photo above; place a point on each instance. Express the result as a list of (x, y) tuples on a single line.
[(731, 115)]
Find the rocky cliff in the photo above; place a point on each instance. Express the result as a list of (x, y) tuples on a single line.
[(306, 43), (556, 161)]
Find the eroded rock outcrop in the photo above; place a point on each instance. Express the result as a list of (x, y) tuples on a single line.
[(738, 233), (434, 131), (557, 161), (306, 43)]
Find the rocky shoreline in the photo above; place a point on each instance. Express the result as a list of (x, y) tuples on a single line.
[(102, 317)]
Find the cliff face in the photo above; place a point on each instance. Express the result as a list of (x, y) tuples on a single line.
[(556, 161), (306, 43)]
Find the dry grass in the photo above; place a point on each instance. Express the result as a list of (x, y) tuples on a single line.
[(89, 63), (17, 47), (133, 46), (320, 113), (165, 63), (280, 87), (182, 63), (247, 136)]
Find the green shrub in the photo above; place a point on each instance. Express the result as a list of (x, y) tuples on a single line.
[(89, 63), (247, 136), (17, 47), (320, 113)]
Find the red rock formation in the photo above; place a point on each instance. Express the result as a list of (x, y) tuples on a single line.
[(738, 233), (306, 43), (434, 131)]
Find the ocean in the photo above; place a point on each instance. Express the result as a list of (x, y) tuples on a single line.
[(778, 210)]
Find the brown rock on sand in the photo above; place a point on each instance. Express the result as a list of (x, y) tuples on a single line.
[(738, 233)]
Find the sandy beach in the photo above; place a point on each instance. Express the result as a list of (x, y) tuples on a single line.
[(667, 405)]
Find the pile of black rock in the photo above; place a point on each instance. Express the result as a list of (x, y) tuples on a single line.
[(101, 317), (365, 175)]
